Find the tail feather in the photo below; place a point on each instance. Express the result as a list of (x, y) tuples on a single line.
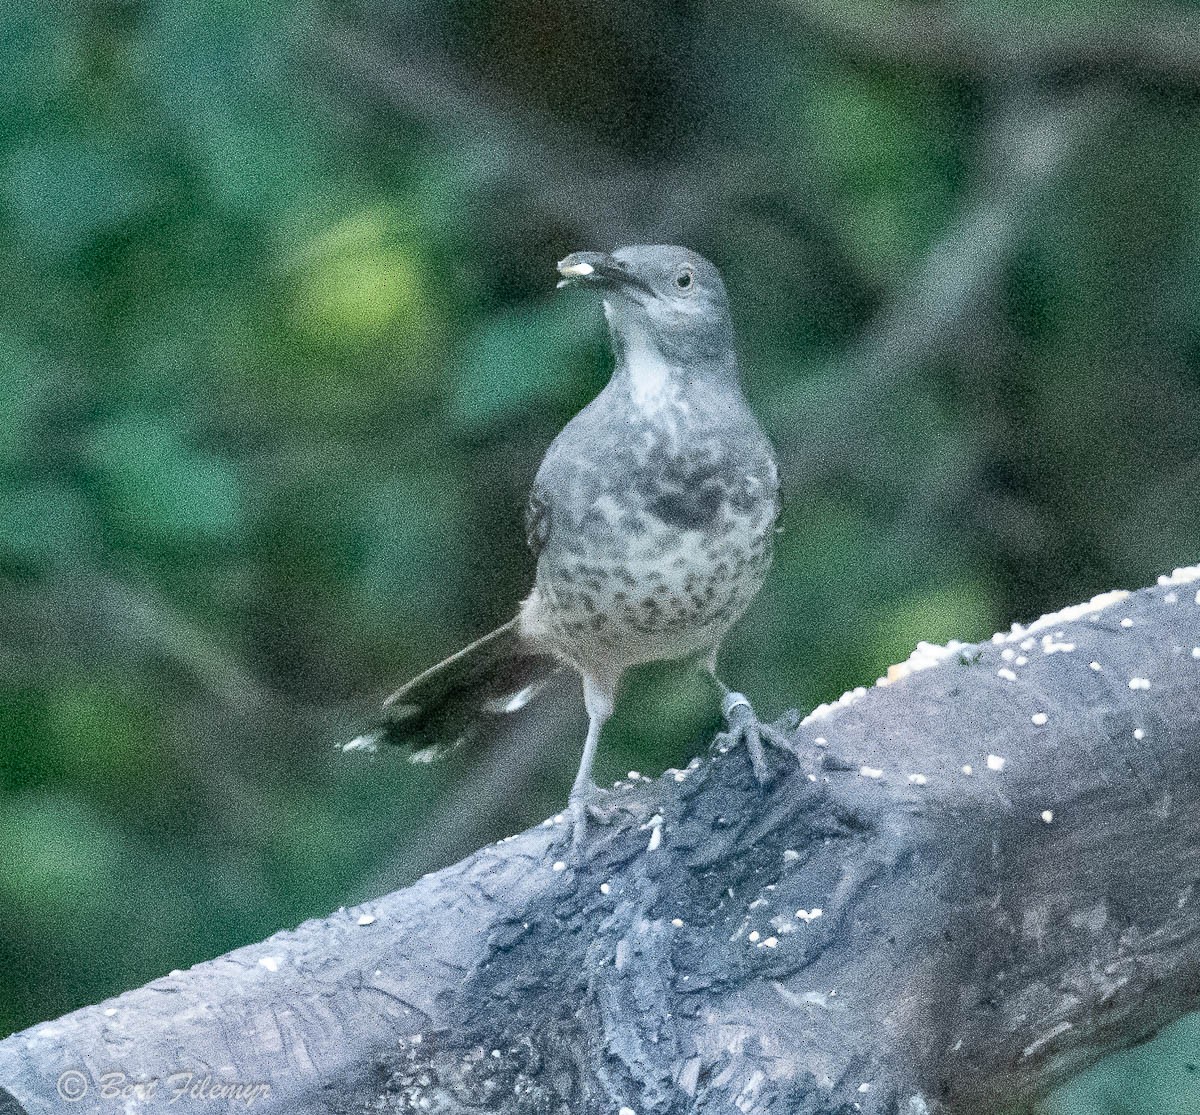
[(446, 705)]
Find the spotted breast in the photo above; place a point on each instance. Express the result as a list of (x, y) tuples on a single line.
[(653, 525)]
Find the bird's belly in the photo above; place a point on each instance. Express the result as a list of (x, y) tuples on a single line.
[(665, 593)]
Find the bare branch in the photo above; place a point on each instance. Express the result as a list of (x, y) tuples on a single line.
[(1152, 45), (1030, 147)]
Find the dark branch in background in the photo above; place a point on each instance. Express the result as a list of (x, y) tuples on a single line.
[(1161, 45), (571, 181), (1034, 139), (557, 179), (980, 880)]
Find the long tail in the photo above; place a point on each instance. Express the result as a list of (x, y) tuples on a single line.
[(447, 704)]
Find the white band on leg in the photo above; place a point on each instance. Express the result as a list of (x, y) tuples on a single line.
[(733, 700)]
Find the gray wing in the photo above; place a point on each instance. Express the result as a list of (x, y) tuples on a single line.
[(537, 520), (556, 479)]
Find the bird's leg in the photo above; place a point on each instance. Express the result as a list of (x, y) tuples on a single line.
[(744, 726), (598, 698)]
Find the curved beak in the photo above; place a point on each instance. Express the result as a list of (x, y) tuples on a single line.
[(595, 269)]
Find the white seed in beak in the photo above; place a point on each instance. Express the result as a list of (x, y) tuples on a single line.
[(575, 270)]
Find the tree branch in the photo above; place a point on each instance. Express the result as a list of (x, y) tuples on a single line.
[(1034, 141), (977, 880), (1161, 45)]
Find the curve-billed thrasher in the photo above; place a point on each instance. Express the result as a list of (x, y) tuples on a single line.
[(652, 519)]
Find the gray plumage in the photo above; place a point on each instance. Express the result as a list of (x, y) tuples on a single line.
[(652, 518)]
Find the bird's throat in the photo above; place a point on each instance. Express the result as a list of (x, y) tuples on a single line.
[(652, 381)]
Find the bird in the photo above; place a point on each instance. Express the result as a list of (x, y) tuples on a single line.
[(652, 520)]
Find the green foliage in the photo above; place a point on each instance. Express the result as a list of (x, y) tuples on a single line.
[(513, 365), (157, 487), (280, 352), (892, 204)]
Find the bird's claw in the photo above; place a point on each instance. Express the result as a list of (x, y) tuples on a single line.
[(600, 806), (744, 726)]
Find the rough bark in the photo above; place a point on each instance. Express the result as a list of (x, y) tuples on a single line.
[(1002, 849)]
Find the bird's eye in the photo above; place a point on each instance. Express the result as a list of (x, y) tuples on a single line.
[(684, 279)]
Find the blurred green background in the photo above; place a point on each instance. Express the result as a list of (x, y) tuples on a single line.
[(280, 352)]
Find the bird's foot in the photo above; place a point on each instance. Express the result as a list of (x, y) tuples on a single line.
[(744, 726), (586, 802), (591, 803)]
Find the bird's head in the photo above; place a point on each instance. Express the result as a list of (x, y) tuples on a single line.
[(663, 295)]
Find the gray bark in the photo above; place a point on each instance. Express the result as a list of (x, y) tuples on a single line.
[(1005, 867)]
